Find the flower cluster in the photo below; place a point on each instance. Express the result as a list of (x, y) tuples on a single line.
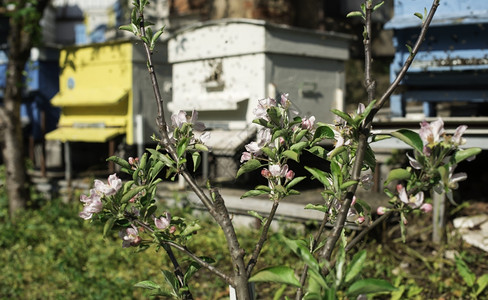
[(93, 203), (183, 124)]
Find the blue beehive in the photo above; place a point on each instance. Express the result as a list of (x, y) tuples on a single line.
[(452, 65), (41, 84)]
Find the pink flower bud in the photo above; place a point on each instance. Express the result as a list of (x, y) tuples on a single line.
[(360, 220), (172, 229), (426, 207), (137, 240), (381, 210), (131, 160), (265, 173), (290, 175)]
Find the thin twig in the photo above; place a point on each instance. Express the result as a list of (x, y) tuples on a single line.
[(185, 250), (423, 32), (177, 268), (220, 213), (364, 132), (264, 236)]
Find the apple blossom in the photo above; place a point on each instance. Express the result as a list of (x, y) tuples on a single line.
[(114, 184), (163, 222), (278, 171), (245, 156), (430, 134), (412, 201), (457, 138), (130, 237), (261, 111), (307, 123), (92, 205)]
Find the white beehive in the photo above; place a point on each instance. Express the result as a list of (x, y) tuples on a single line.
[(222, 68)]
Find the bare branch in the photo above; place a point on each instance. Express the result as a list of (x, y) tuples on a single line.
[(264, 236), (423, 32)]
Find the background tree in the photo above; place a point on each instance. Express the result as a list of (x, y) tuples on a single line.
[(24, 33)]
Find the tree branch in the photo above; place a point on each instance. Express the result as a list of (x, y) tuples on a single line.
[(423, 32), (264, 236)]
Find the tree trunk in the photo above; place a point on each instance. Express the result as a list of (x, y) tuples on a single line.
[(24, 27)]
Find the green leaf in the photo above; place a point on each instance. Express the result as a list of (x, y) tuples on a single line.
[(463, 270), (196, 160), (157, 35), (319, 175), (182, 145), (397, 174), (158, 166), (126, 28), (323, 132), (249, 166), (409, 48), (252, 193), (410, 138), (201, 147), (108, 226), (336, 151), (378, 5), (121, 162), (300, 248), (280, 274), (190, 229), (345, 116), (278, 133), (162, 157), (130, 194), (298, 137), (291, 155), (347, 184), (356, 265), (482, 282), (263, 188), (465, 154), (367, 110), (354, 14), (294, 182), (147, 284), (274, 115), (419, 15), (369, 158), (318, 151), (172, 281), (269, 152), (194, 267), (369, 286), (321, 208), (298, 147), (256, 215)]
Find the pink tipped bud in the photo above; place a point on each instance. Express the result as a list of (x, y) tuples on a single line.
[(426, 207), (360, 220), (137, 240), (381, 210), (131, 160), (290, 175), (353, 202), (265, 173), (172, 229)]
